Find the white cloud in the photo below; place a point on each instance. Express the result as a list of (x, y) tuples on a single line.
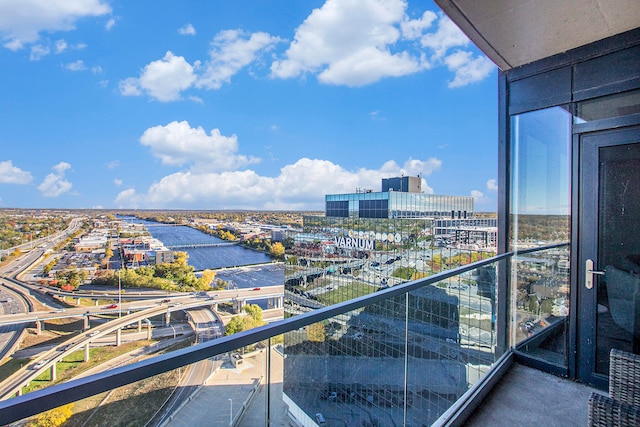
[(54, 184), (22, 21), (10, 174), (232, 50), (113, 164), (177, 144), (163, 79), (467, 68), (130, 87), (187, 30), (492, 185), (96, 69), (413, 28), (39, 51), (368, 65), (76, 66), (61, 167), (447, 36), (60, 46), (348, 42), (359, 42), (298, 186), (167, 78), (117, 182), (478, 196), (110, 24)]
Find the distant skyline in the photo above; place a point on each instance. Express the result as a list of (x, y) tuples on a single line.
[(240, 104)]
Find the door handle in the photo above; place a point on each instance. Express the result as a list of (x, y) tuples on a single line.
[(589, 272)]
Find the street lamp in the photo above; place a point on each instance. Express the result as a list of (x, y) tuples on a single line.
[(230, 411)]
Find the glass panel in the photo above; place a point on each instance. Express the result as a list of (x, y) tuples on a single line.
[(620, 104), (618, 319), (540, 215), (542, 304), (401, 361)]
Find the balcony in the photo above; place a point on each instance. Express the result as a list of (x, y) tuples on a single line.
[(420, 353)]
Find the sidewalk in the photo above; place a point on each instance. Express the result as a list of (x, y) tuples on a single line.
[(222, 397)]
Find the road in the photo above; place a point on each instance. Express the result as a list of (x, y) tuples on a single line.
[(11, 300), (223, 395), (207, 327)]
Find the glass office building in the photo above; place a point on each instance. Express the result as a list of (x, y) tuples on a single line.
[(397, 204)]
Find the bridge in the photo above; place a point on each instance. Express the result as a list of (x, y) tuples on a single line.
[(201, 245), (137, 312), (138, 221)]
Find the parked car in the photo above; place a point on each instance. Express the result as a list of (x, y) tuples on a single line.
[(320, 419)]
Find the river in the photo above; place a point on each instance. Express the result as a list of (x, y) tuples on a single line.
[(201, 258)]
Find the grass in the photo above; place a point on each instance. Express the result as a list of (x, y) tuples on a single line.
[(10, 366), (74, 364), (344, 293), (131, 405)]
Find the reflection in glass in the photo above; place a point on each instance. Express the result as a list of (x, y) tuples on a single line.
[(542, 304), (401, 361), (618, 321), (617, 105), (540, 215)]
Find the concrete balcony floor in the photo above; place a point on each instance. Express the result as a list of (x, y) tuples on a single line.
[(529, 397)]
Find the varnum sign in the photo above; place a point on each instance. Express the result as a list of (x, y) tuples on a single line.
[(352, 242)]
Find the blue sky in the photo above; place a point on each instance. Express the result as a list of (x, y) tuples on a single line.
[(167, 104)]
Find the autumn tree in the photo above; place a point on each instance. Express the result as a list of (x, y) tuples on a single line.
[(316, 332), (277, 250), (108, 253), (53, 418), (252, 319), (255, 312), (206, 280), (235, 325)]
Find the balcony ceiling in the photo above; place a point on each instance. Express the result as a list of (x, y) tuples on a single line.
[(516, 32)]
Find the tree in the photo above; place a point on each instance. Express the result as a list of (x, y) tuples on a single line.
[(108, 253), (206, 280), (253, 319), (316, 332), (236, 324), (255, 312), (292, 260), (277, 250), (47, 268), (53, 418)]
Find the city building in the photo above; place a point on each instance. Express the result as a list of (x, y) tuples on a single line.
[(400, 198), (407, 184)]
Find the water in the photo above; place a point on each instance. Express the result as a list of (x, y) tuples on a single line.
[(202, 258), (219, 256)]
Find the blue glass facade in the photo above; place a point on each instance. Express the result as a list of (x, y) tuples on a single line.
[(395, 204)]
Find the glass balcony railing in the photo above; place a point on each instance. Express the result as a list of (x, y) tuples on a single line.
[(402, 356)]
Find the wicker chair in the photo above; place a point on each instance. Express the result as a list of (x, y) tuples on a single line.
[(622, 406)]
